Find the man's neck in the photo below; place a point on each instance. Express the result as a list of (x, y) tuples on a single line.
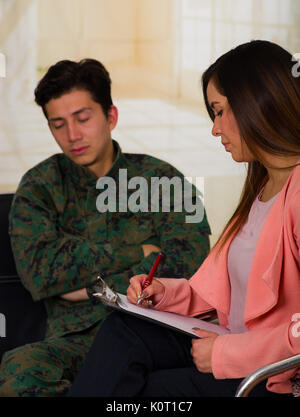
[(101, 167)]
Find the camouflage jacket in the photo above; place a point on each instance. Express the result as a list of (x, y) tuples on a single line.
[(61, 242)]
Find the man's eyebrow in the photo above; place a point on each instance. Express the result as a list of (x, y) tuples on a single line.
[(82, 110), (54, 119)]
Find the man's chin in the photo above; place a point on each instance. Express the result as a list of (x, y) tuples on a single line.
[(81, 160)]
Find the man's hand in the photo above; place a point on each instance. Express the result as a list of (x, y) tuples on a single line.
[(201, 350), (75, 296), (149, 248), (81, 295)]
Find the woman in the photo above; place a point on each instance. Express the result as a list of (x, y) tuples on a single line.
[(252, 275)]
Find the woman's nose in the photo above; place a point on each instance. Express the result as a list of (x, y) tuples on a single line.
[(216, 129)]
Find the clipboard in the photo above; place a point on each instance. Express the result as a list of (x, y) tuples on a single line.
[(178, 322)]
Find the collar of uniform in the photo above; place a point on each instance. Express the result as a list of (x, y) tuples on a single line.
[(83, 177), (118, 163)]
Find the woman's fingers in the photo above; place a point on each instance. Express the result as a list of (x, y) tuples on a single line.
[(135, 290)]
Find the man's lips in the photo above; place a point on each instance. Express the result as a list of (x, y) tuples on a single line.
[(79, 151)]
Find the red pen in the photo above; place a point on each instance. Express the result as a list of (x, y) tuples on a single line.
[(151, 274)]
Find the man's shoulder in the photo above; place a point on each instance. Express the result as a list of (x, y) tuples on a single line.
[(45, 179), (47, 170), (51, 163), (144, 164)]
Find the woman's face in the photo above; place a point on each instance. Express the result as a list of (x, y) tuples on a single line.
[(225, 126)]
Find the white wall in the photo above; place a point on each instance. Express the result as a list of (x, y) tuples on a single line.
[(152, 48)]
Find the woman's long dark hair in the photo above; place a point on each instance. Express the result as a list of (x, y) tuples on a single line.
[(264, 96)]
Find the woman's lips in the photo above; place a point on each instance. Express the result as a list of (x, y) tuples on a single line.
[(79, 151)]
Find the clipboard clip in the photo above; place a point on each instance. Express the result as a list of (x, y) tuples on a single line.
[(103, 292)]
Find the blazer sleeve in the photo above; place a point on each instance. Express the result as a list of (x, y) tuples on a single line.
[(237, 355), (181, 298)]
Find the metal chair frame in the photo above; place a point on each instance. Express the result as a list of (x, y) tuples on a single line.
[(265, 372)]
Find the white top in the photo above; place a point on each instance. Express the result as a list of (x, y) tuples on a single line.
[(240, 255)]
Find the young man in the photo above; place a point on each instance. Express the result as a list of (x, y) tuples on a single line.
[(61, 239)]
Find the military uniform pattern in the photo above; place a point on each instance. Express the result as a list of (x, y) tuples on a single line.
[(61, 243), (45, 368)]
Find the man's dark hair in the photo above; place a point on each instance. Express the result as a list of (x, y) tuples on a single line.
[(64, 76)]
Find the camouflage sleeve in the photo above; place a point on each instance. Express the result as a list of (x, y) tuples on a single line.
[(49, 261), (183, 230), (184, 244), (182, 259)]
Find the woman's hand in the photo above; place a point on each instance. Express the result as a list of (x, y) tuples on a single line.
[(134, 291), (201, 350)]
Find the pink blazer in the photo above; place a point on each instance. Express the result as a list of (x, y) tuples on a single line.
[(272, 300)]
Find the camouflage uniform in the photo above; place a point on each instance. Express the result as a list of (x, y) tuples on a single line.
[(61, 242)]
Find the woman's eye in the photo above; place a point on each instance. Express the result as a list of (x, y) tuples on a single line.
[(220, 113), (58, 126)]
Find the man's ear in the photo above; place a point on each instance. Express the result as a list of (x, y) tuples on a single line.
[(112, 117)]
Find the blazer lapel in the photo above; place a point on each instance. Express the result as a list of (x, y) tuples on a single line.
[(211, 281), (264, 278)]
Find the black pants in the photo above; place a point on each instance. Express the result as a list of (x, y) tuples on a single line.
[(131, 357)]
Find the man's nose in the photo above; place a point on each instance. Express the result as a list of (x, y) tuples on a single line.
[(74, 132)]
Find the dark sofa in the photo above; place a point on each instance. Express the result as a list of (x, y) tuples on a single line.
[(22, 320)]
